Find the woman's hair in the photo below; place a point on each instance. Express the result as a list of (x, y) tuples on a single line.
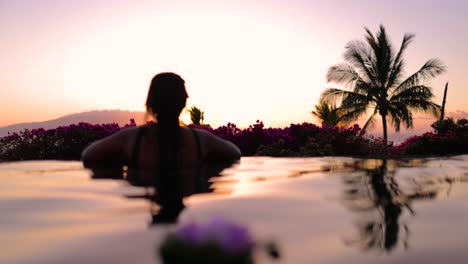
[(166, 99)]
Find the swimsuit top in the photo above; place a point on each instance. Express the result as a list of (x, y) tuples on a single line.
[(133, 162)]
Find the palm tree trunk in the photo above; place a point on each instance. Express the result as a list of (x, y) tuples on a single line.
[(384, 124), (442, 114)]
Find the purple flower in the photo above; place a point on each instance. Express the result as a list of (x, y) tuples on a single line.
[(231, 237), (190, 233)]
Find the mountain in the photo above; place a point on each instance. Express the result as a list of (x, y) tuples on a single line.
[(93, 117)]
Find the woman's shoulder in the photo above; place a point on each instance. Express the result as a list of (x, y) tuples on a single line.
[(218, 147), (112, 149), (203, 134), (125, 134), (197, 130)]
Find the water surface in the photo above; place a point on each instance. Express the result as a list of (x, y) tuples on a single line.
[(319, 210)]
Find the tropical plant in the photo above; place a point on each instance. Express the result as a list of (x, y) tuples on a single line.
[(196, 115), (372, 78), (328, 114)]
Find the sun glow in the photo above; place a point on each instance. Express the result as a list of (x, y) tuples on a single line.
[(241, 60), (231, 69)]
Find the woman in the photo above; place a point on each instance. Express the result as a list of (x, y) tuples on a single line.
[(164, 155)]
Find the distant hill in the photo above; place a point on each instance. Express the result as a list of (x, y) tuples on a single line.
[(93, 117)]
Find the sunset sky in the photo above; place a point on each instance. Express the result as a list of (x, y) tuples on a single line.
[(242, 60)]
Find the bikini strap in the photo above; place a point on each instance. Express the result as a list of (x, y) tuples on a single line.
[(199, 148), (199, 177), (133, 162)]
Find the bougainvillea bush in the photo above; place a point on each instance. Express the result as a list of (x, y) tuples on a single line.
[(448, 138), (306, 139), (61, 143)]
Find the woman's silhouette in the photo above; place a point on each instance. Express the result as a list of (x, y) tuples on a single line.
[(163, 154)]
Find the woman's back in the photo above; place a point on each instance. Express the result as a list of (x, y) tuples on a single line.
[(144, 158), (137, 148)]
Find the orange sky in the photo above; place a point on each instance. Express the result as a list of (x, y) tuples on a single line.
[(242, 60)]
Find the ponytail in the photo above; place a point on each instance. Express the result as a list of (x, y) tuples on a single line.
[(166, 99), (169, 183)]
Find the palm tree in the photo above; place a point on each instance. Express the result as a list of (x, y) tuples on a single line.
[(327, 113), (196, 115), (372, 78)]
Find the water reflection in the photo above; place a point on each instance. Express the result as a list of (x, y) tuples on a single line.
[(195, 181), (54, 214), (380, 198)]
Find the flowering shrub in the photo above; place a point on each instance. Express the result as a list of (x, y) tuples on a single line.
[(61, 143), (217, 241), (449, 138), (306, 139)]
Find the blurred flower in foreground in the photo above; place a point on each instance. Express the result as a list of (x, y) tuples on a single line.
[(217, 241)]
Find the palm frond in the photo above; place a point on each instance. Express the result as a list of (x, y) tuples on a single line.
[(399, 113), (327, 113), (426, 107), (417, 98), (333, 95), (370, 38), (370, 123), (398, 63), (384, 56), (358, 54), (413, 92), (343, 74), (353, 98), (351, 113), (430, 69)]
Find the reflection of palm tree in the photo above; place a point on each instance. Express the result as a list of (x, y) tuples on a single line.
[(373, 73), (377, 190), (384, 198)]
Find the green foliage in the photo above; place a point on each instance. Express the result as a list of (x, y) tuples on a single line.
[(449, 138)]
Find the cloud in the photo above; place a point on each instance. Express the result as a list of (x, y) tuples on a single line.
[(458, 114)]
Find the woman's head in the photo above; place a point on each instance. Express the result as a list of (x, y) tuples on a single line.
[(166, 96)]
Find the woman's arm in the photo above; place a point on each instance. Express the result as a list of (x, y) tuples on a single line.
[(108, 153)]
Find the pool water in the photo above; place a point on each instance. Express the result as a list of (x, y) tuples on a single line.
[(318, 210)]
